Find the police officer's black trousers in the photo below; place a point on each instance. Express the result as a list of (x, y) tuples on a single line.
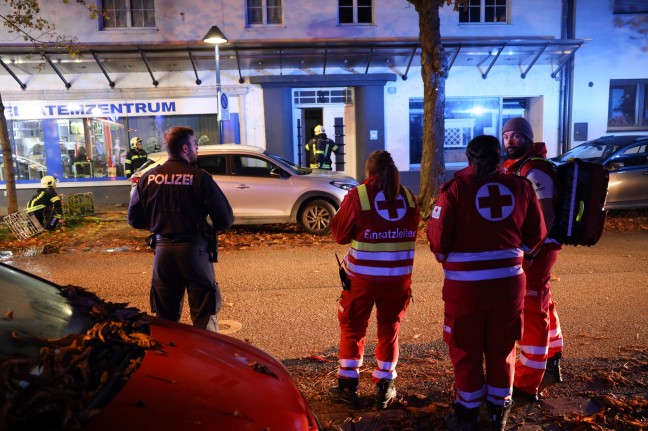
[(184, 265)]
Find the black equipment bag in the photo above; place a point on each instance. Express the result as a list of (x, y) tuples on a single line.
[(580, 214), (580, 211)]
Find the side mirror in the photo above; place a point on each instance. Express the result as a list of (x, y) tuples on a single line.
[(615, 166), (277, 172)]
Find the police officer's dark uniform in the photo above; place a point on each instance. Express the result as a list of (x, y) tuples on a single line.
[(173, 201), (319, 150)]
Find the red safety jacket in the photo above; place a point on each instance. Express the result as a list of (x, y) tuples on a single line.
[(382, 235), (534, 159), (480, 231)]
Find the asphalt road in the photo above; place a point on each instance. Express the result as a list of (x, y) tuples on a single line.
[(284, 298)]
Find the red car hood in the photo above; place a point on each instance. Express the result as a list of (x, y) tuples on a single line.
[(203, 380)]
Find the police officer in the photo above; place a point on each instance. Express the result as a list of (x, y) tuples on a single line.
[(319, 150), (135, 157), (173, 201), (483, 224), (46, 200)]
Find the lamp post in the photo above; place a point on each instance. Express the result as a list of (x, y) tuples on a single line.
[(215, 36)]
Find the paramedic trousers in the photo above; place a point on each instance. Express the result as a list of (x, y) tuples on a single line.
[(541, 336), (354, 310), (482, 333), (181, 265)]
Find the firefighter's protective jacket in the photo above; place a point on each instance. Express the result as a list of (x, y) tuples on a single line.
[(44, 198), (134, 160), (319, 151)]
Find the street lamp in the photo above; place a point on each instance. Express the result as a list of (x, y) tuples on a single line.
[(216, 37)]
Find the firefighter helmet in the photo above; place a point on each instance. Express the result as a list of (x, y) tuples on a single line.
[(319, 129), (48, 181), (134, 142)]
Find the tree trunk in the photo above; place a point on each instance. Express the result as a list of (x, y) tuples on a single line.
[(434, 71), (7, 158)]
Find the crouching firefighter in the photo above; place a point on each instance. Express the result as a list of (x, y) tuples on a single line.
[(45, 205), (379, 219)]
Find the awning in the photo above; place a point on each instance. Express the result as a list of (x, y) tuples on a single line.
[(249, 59)]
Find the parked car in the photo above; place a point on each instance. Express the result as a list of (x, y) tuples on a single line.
[(626, 157), (69, 360), (265, 188)]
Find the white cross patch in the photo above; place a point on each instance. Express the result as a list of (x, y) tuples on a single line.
[(494, 201), (392, 212)]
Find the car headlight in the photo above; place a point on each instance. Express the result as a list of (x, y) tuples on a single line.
[(344, 186)]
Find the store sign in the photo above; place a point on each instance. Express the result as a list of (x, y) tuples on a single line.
[(111, 109)]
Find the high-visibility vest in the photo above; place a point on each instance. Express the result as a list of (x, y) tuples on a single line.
[(385, 241)]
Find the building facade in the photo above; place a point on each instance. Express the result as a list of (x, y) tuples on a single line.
[(575, 69)]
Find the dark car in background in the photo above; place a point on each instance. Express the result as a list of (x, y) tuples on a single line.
[(69, 360), (626, 157)]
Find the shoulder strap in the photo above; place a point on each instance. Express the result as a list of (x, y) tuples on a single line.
[(528, 164)]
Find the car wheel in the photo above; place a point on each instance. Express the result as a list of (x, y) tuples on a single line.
[(316, 217)]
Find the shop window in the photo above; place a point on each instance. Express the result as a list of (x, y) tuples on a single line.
[(628, 105), (355, 12), (28, 146), (465, 118), (484, 11), (128, 13), (264, 12)]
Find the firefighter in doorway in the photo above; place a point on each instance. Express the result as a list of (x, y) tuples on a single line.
[(319, 150)]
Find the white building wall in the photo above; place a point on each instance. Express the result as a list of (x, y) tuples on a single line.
[(615, 51)]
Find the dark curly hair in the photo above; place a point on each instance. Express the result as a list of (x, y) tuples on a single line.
[(381, 164), (485, 154)]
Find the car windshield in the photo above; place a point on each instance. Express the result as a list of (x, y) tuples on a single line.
[(296, 169), (592, 151), (36, 309)]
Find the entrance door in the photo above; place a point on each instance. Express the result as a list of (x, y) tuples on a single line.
[(332, 118)]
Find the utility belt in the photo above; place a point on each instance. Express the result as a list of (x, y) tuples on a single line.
[(180, 237), (212, 241)]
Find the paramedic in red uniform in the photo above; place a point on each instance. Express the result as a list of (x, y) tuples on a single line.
[(379, 219), (482, 226), (542, 337)]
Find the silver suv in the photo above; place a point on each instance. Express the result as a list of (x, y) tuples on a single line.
[(264, 188)]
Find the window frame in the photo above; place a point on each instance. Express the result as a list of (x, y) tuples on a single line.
[(355, 7), (264, 14), (128, 9), (637, 118), (483, 7)]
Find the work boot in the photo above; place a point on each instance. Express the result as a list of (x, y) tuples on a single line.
[(553, 370), (346, 392), (524, 396), (385, 393), (463, 419), (499, 414)]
